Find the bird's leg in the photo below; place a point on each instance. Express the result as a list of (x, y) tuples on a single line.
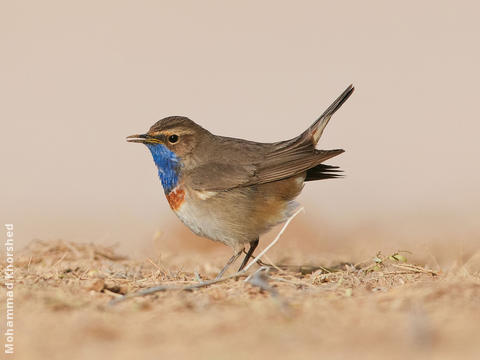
[(227, 265), (253, 246)]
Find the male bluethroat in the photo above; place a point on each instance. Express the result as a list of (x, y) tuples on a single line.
[(233, 190)]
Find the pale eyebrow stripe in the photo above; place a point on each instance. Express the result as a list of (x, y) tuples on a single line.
[(178, 130)]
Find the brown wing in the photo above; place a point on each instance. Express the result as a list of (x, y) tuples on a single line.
[(274, 165)]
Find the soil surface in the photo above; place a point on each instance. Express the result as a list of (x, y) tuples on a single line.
[(383, 307)]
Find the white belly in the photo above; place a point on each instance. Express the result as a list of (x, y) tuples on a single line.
[(203, 223)]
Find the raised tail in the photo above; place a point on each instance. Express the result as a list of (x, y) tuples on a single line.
[(318, 126)]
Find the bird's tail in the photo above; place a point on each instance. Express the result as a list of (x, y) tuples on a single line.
[(316, 130)]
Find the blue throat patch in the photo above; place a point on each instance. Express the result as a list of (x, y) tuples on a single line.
[(168, 165)]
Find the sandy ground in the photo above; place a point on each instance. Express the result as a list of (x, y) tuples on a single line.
[(382, 307)]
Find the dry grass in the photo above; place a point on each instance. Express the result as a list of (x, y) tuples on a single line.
[(383, 307)]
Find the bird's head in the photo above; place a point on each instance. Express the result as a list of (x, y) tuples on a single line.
[(172, 142)]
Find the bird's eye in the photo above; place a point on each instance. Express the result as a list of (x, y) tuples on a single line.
[(173, 139)]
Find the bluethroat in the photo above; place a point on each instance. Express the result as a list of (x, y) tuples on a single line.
[(232, 190)]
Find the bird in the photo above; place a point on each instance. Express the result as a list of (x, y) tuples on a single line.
[(232, 190)]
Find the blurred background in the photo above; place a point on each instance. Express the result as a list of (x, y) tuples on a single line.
[(77, 78)]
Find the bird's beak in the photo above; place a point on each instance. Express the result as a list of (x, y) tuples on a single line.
[(138, 138), (143, 138)]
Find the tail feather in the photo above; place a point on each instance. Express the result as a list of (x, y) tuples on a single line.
[(318, 126), (322, 171)]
